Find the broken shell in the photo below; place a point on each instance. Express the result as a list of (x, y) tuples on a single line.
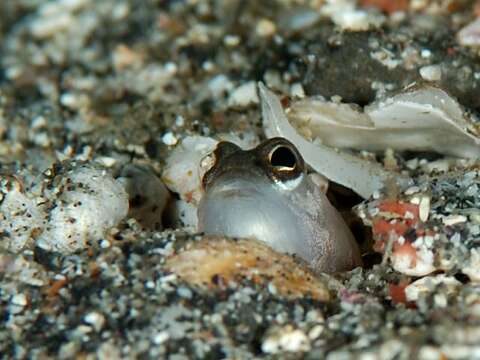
[(418, 119), (362, 176), (182, 171), (189, 161), (183, 175), (217, 261)]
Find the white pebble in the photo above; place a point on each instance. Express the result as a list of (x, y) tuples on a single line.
[(296, 90), (161, 337), (219, 85), (105, 244), (470, 34), (169, 139), (440, 300), (107, 161), (455, 239), (41, 140), (208, 66), (38, 122), (244, 95), (179, 120), (266, 28), (454, 219), (231, 40), (412, 190), (356, 20), (184, 292), (19, 300), (424, 208), (171, 68), (96, 320), (286, 339), (45, 27), (73, 101), (425, 53), (316, 331), (431, 72), (272, 289)]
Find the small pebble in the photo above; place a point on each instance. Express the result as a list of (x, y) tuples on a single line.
[(244, 95), (285, 339), (431, 72), (265, 28), (424, 208), (19, 300), (169, 139), (161, 337), (454, 219), (316, 331), (184, 292), (97, 320), (297, 91), (470, 34), (231, 40)]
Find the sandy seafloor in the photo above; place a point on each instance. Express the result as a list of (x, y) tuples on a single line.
[(118, 82)]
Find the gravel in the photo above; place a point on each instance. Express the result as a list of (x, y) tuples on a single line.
[(100, 92)]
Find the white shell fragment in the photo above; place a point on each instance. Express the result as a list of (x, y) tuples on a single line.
[(419, 119), (182, 171), (183, 175), (362, 176), (84, 204), (185, 167), (92, 203)]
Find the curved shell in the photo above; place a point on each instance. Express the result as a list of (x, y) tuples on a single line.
[(362, 176)]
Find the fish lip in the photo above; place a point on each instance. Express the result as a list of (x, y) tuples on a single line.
[(242, 181), (239, 173)]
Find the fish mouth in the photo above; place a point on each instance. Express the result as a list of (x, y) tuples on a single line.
[(240, 185), (235, 178)]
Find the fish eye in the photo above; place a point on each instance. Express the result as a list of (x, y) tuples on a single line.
[(282, 158)]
